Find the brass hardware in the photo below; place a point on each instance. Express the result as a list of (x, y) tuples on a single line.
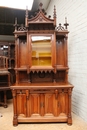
[(62, 90), (20, 91), (41, 104)]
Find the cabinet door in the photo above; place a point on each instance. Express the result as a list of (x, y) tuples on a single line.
[(62, 103), (56, 105), (50, 104), (34, 104), (21, 104)]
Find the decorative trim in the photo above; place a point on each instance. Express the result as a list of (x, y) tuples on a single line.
[(22, 28), (60, 27)]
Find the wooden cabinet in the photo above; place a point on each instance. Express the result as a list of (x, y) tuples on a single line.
[(41, 92), (41, 104), (7, 58)]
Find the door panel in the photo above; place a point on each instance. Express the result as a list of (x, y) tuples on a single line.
[(21, 104), (63, 103), (34, 104), (50, 104)]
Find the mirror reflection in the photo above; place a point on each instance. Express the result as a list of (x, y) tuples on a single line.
[(40, 38)]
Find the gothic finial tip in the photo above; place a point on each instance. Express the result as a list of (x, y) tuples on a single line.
[(54, 6), (16, 20), (65, 19), (40, 5), (66, 24), (26, 7)]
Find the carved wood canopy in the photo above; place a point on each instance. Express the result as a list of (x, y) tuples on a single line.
[(40, 20)]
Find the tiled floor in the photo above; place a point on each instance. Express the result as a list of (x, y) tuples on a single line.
[(6, 122)]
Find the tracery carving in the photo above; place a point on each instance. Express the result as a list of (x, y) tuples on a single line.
[(60, 27), (22, 28)]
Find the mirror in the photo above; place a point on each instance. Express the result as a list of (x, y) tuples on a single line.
[(41, 50)]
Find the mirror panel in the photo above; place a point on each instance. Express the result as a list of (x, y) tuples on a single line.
[(41, 50)]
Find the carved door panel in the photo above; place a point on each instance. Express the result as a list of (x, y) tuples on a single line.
[(21, 104), (34, 104), (62, 103), (56, 105), (50, 104)]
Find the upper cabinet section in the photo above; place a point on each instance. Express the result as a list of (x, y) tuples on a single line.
[(39, 44)]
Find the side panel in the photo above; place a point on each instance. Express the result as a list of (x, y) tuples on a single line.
[(22, 54), (60, 53), (63, 103)]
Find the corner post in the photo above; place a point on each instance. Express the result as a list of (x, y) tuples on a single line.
[(15, 121), (69, 106)]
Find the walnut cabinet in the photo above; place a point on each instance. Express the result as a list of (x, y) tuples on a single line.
[(41, 92)]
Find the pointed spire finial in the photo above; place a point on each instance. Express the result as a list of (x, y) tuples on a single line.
[(54, 15), (40, 5), (16, 24), (54, 12), (26, 17), (66, 24), (26, 11)]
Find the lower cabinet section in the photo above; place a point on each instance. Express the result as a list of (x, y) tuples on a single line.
[(47, 105)]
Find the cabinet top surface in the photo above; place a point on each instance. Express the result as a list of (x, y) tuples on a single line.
[(41, 85)]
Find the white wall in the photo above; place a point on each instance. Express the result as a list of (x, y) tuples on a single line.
[(76, 13)]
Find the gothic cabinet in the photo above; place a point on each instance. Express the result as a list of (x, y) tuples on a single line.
[(41, 92)]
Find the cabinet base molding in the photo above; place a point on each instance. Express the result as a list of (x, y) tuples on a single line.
[(42, 119)]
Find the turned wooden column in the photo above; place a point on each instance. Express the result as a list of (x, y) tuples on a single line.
[(17, 77), (15, 121), (65, 50), (27, 101)]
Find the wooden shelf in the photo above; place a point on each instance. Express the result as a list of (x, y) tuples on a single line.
[(42, 56), (62, 68), (41, 67), (21, 68)]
